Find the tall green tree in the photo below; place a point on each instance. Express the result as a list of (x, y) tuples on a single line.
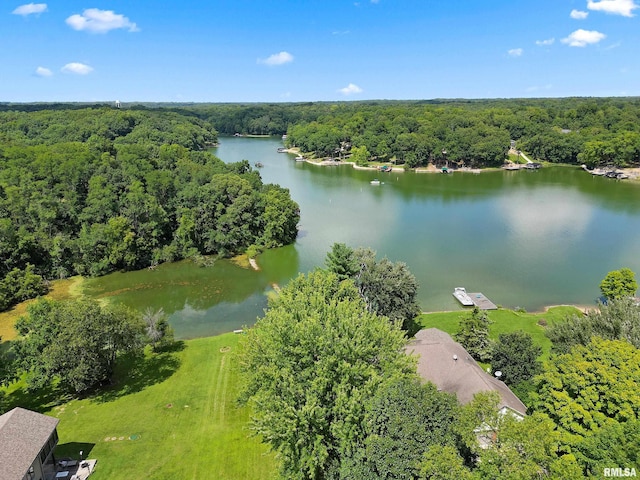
[(281, 216), (516, 356), (473, 335), (387, 288), (312, 362), (360, 155), (340, 260)]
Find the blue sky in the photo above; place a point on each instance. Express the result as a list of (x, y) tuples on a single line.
[(290, 51)]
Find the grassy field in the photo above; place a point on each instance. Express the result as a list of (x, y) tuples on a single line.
[(171, 416), (504, 321)]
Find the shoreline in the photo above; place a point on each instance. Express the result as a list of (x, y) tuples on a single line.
[(632, 172), (583, 308)]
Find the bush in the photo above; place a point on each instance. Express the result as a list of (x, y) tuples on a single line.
[(20, 285)]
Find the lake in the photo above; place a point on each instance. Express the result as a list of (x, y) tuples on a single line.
[(523, 238)]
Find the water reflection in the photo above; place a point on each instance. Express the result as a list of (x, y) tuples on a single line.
[(551, 220)]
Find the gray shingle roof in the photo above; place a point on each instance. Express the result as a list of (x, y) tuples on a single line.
[(23, 433), (464, 377)]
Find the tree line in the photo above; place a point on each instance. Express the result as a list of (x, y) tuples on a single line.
[(477, 133), (94, 190)]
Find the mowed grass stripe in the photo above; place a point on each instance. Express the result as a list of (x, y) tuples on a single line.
[(185, 424)]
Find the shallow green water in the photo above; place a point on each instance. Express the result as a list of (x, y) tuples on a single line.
[(524, 238)]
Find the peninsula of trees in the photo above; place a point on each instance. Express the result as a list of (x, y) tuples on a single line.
[(93, 190)]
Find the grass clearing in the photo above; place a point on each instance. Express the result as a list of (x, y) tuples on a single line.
[(172, 415), (504, 321), (59, 290)]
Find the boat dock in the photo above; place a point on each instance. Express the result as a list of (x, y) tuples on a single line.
[(482, 302)]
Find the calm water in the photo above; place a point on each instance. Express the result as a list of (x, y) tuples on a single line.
[(524, 239)]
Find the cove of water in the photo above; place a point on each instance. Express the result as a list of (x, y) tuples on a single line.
[(524, 239)]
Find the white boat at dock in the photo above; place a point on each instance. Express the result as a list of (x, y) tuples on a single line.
[(463, 297), (300, 158)]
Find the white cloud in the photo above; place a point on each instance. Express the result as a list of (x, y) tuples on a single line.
[(100, 21), (537, 88), (615, 7), (515, 52), (30, 8), (578, 14), (545, 43), (350, 89), (582, 38), (43, 72), (77, 68), (277, 59)]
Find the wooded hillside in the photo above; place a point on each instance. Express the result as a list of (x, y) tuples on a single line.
[(89, 191)]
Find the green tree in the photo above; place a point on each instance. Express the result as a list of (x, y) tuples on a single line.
[(75, 342), (443, 462), (387, 288), (618, 284), (340, 260), (613, 444), (515, 355), (618, 319), (590, 387), (312, 362), (6, 368), (20, 285), (473, 335), (360, 155), (403, 418), (281, 216)]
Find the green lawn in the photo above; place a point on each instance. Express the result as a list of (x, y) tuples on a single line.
[(503, 321), (173, 416)]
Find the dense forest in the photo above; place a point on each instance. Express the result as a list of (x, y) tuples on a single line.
[(477, 133), (93, 190)]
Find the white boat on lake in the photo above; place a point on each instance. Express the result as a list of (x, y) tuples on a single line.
[(375, 182), (463, 297), (299, 158)]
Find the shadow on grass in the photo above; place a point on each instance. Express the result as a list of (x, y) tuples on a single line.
[(133, 373), (39, 400), (137, 372), (411, 327), (71, 451)]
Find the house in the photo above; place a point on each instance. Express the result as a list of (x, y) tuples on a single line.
[(27, 440), (449, 366)]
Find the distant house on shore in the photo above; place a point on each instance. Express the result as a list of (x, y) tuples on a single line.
[(27, 440), (449, 366)]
